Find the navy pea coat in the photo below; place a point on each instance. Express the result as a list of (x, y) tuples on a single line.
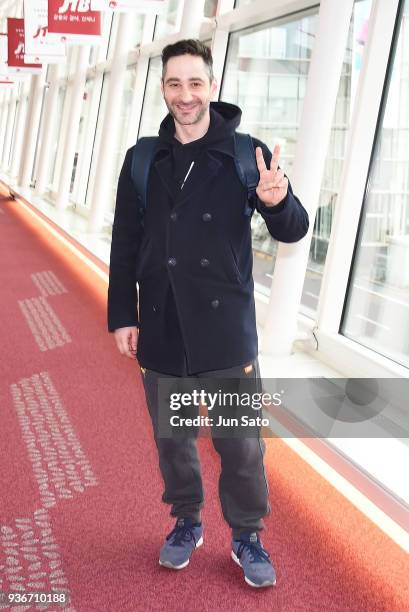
[(192, 258)]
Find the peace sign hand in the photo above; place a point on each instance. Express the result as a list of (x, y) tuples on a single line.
[(273, 185)]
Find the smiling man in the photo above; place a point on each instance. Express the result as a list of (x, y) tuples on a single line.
[(192, 258)]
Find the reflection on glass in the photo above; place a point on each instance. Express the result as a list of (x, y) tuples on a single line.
[(266, 73), (341, 122), (267, 70), (377, 312)]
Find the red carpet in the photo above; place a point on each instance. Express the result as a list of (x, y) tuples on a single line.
[(80, 488)]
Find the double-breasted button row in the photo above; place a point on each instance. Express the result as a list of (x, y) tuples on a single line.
[(204, 262), (206, 216)]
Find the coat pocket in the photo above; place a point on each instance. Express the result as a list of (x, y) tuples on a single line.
[(235, 264)]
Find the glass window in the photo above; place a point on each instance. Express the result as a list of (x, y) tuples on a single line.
[(57, 140), (123, 129), (11, 119), (82, 133), (335, 155), (136, 32), (96, 139), (170, 21), (265, 75), (377, 309), (39, 135), (155, 110), (120, 144), (98, 53), (85, 139)]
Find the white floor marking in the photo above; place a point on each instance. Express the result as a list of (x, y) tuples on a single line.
[(60, 466)]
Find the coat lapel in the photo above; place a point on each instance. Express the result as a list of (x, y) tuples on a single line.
[(202, 172)]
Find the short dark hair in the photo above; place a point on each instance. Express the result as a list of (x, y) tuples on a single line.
[(191, 46)]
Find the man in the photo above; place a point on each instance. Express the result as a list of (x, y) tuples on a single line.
[(192, 259)]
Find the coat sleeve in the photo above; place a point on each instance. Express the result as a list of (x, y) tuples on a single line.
[(126, 237), (287, 221)]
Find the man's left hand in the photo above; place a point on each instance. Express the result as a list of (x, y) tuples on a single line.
[(273, 185)]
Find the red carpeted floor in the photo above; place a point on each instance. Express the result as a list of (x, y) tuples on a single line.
[(80, 488)]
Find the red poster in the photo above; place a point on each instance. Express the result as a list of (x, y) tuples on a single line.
[(15, 46), (73, 17)]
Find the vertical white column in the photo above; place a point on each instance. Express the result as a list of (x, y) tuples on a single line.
[(312, 143), (111, 125), (9, 131), (76, 99), (192, 17), (219, 43), (19, 131), (140, 80), (31, 128), (3, 125), (50, 110)]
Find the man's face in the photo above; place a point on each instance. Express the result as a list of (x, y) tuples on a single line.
[(186, 88)]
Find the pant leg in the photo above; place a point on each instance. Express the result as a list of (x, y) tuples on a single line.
[(243, 487), (178, 459)]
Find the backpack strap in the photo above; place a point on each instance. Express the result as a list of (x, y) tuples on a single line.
[(246, 166), (142, 158), (245, 161)]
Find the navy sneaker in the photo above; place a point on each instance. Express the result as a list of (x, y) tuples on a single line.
[(248, 552), (180, 543)]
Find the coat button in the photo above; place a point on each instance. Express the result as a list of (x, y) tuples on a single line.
[(215, 303), (207, 217), (155, 308), (172, 261), (204, 262), (173, 216)]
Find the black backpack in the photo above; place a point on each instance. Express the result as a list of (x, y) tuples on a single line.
[(245, 160)]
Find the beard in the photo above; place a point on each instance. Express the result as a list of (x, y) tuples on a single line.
[(189, 118)]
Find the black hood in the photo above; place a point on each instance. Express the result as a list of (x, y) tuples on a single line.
[(224, 120)]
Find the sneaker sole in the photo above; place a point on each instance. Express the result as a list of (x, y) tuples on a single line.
[(266, 583), (182, 565)]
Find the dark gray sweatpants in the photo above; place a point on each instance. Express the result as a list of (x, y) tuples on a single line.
[(243, 487)]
